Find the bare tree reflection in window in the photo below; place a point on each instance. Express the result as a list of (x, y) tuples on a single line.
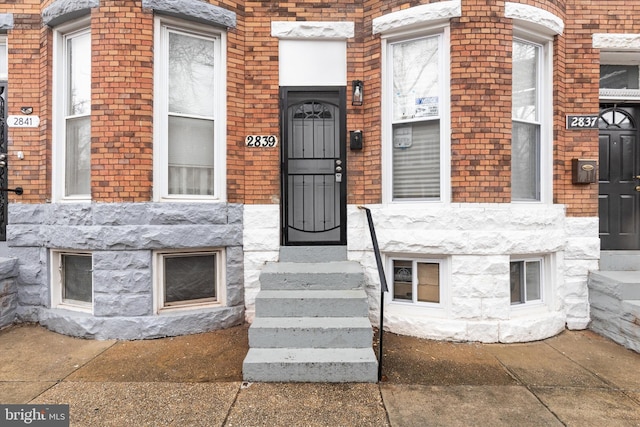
[(191, 93)]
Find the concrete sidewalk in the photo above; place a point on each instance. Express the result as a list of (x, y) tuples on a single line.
[(575, 379)]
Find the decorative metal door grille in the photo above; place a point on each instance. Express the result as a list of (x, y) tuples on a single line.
[(314, 168)]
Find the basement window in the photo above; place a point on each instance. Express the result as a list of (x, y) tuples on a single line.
[(416, 281), (188, 279), (526, 279), (72, 285)]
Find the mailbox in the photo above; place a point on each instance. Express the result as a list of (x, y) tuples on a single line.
[(584, 171), (355, 137)]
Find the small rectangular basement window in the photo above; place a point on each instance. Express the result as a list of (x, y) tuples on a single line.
[(416, 281), (72, 285), (526, 280), (187, 279)]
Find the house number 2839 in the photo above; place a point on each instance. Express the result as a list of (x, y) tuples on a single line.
[(261, 141)]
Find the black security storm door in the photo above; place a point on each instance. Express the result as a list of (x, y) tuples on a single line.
[(313, 166)]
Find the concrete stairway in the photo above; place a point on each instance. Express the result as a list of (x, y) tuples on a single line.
[(614, 296), (311, 322)]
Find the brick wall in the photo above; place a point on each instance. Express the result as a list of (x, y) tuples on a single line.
[(122, 102), (25, 90), (122, 118)]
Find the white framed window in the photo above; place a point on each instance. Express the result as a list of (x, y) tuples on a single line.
[(189, 279), (416, 136), (416, 280), (4, 58), (189, 130), (532, 117), (72, 280), (527, 279), (72, 112)]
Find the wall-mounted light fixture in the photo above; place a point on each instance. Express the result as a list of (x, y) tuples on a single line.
[(356, 93)]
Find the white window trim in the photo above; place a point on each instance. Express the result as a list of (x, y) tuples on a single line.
[(221, 289), (445, 114), (160, 129), (419, 308), (545, 302), (57, 286), (545, 103), (58, 112), (4, 41)]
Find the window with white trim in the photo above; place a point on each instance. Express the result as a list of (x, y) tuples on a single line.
[(417, 113), (531, 120), (72, 112), (72, 280), (416, 281), (189, 122), (188, 279), (526, 280)]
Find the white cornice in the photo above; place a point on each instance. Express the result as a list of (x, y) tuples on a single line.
[(617, 41), (312, 30), (534, 17), (424, 14)]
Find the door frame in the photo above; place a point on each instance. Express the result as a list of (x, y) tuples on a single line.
[(341, 92)]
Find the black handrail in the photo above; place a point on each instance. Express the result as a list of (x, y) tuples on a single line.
[(17, 190), (383, 285)]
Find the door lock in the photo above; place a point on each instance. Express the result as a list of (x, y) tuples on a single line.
[(637, 187), (3, 160)]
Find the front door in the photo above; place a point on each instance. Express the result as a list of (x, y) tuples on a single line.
[(619, 178), (313, 166)]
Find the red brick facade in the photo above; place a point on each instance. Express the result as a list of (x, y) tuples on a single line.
[(481, 40)]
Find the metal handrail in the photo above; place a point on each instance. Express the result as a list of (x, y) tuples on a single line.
[(383, 285), (17, 190)]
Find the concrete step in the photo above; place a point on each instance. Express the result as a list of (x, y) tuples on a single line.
[(619, 260), (310, 365), (316, 332), (621, 285), (312, 303), (318, 254), (318, 276)]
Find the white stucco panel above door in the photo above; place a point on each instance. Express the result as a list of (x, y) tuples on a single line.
[(313, 62), (312, 53)]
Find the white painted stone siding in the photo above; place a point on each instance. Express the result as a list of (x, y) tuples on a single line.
[(478, 241)]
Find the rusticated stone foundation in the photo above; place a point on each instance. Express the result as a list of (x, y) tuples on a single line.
[(121, 238)]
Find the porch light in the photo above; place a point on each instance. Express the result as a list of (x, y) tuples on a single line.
[(356, 93)]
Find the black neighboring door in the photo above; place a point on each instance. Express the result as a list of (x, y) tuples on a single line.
[(619, 178), (4, 198), (313, 165)]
